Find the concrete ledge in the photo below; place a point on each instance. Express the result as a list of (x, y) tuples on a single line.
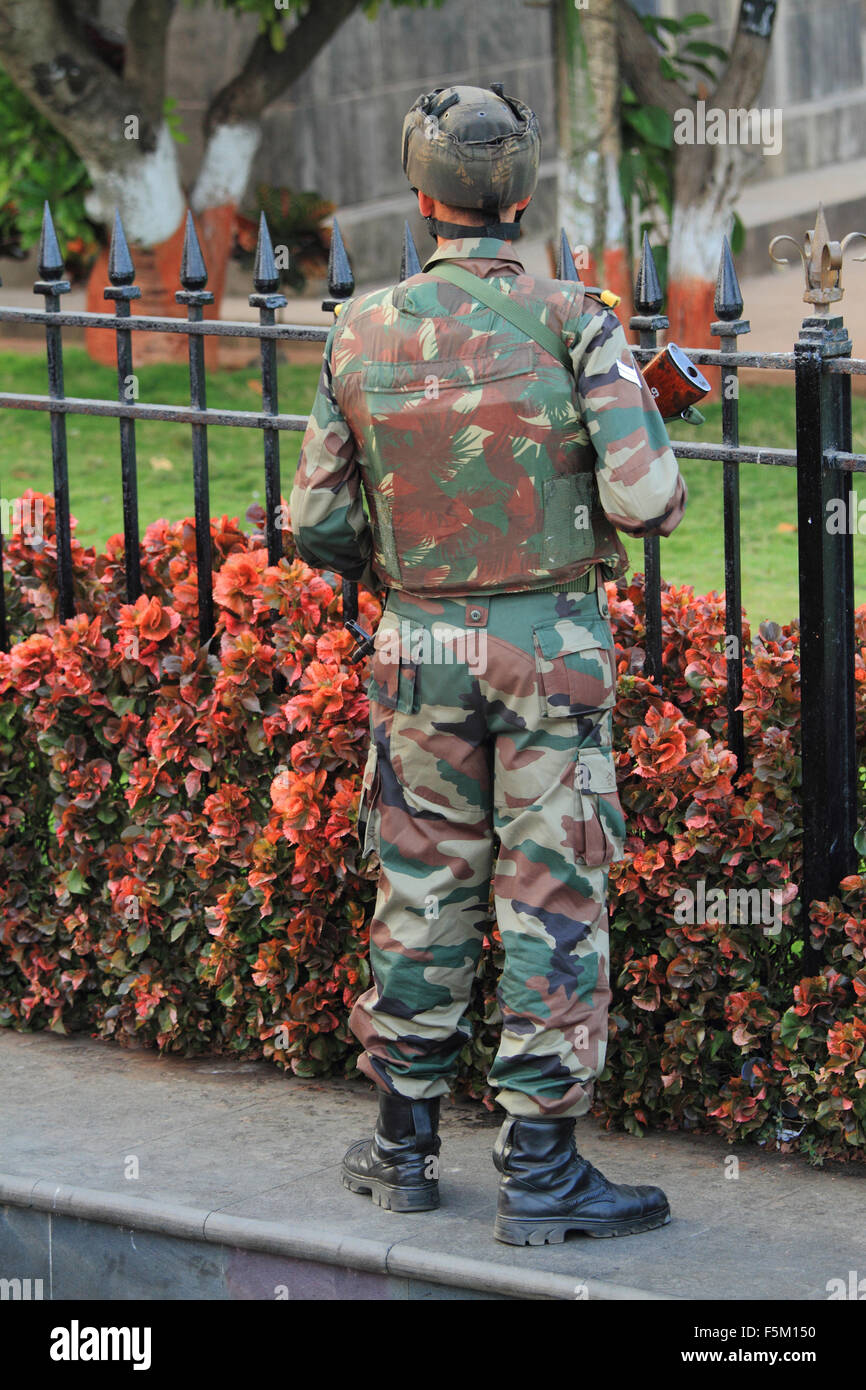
[(403, 1270)]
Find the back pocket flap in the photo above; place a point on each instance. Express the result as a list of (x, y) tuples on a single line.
[(576, 667)]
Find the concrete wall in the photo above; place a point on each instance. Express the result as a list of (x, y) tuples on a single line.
[(338, 130)]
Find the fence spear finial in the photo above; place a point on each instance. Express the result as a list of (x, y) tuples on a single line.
[(647, 287), (50, 259), (193, 271), (341, 281), (410, 263), (266, 277), (822, 261), (121, 271), (728, 302), (566, 269)]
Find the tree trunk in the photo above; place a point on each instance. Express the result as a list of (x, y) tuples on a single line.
[(707, 182), (589, 202), (152, 207), (116, 125), (708, 178)]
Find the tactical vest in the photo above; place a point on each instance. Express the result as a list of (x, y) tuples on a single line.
[(477, 470)]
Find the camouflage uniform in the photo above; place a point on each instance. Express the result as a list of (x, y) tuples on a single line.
[(493, 481)]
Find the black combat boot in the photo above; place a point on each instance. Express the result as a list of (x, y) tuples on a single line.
[(547, 1189), (399, 1166)]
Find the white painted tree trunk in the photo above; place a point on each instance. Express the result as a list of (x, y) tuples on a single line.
[(589, 201), (695, 244), (707, 185), (146, 190), (226, 165)]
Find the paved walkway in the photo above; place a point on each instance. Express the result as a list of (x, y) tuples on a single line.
[(244, 1145)]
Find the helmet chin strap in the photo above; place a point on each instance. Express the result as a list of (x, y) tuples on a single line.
[(504, 231)]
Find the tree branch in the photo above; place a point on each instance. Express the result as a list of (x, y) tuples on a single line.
[(146, 39), (642, 73), (741, 81), (69, 83), (266, 74)]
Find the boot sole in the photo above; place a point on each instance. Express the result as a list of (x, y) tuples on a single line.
[(391, 1198), (511, 1230)]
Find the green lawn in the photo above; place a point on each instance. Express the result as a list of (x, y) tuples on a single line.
[(693, 555), (164, 451)]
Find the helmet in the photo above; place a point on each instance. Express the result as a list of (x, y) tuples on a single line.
[(472, 147)]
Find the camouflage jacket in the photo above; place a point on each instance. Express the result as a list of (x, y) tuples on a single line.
[(485, 465)]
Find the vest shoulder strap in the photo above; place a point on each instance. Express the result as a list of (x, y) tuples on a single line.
[(503, 305)]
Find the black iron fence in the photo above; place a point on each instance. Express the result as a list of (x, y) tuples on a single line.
[(822, 366)]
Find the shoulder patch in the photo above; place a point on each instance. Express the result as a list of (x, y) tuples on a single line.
[(630, 373)]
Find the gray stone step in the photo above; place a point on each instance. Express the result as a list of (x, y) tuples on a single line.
[(237, 1195)]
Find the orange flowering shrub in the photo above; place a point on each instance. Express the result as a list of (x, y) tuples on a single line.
[(179, 866)]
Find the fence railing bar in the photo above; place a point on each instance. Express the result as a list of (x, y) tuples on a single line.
[(713, 357), (143, 323), (782, 458), (729, 453), (4, 629), (829, 770), (121, 273), (728, 305), (193, 277), (267, 300), (845, 366), (854, 463), (177, 414), (52, 286), (648, 323)]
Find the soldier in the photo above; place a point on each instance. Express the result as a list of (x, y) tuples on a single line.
[(499, 430)]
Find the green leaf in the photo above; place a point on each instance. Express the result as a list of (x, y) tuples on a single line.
[(860, 840), (792, 1028), (702, 49), (76, 882), (653, 124), (700, 67)]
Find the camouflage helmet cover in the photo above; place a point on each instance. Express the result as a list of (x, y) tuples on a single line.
[(472, 147)]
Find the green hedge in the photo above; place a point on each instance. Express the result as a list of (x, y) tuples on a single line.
[(178, 862)]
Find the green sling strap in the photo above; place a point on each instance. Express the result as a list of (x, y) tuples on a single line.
[(503, 305)]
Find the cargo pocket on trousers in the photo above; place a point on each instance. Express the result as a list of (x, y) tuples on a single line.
[(599, 820), (368, 807), (393, 674), (575, 666)]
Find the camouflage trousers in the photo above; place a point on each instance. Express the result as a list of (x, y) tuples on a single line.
[(490, 761)]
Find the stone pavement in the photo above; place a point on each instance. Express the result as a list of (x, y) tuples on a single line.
[(251, 1158)]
